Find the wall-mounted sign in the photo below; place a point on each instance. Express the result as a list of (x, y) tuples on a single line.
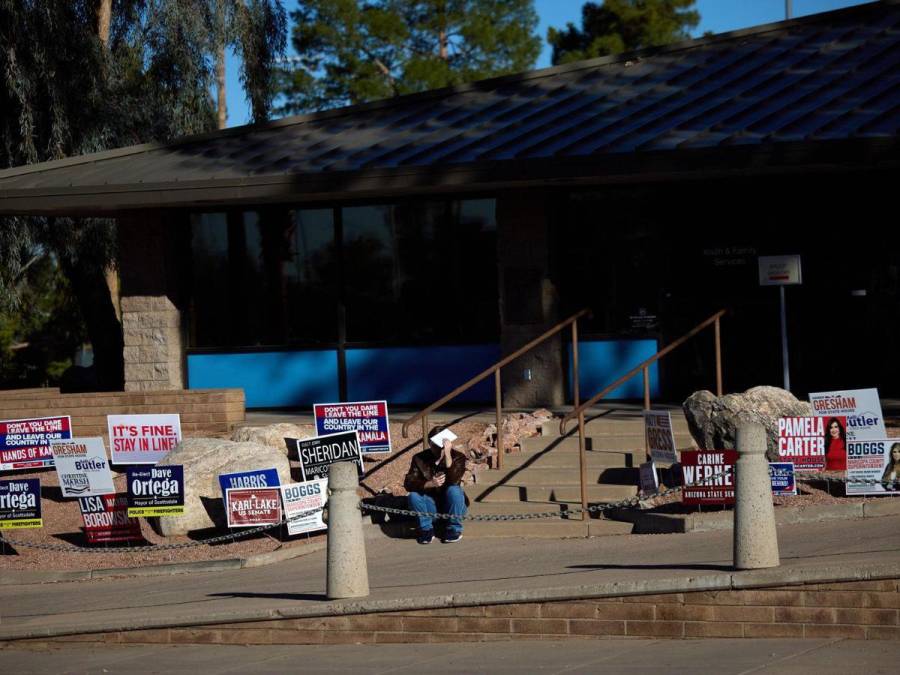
[(25, 444), (20, 504), (142, 439), (369, 418), (82, 467), (780, 270)]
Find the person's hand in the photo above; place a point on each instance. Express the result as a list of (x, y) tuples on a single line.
[(448, 452), (437, 481)]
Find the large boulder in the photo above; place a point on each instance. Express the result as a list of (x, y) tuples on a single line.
[(273, 435), (203, 460), (713, 420)]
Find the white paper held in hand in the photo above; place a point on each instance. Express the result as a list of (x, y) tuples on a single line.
[(446, 435)]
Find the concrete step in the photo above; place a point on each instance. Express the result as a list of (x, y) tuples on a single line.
[(563, 493), (570, 475), (598, 443), (601, 426), (596, 460)]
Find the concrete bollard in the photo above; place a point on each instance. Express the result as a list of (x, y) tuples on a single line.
[(755, 534), (347, 575)]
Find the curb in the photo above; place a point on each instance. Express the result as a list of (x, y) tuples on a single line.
[(720, 581), (21, 577), (648, 522)]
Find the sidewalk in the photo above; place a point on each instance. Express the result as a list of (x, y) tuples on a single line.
[(404, 575)]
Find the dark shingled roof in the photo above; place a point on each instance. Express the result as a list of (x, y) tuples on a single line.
[(822, 81)]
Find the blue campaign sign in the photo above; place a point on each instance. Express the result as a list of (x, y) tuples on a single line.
[(20, 503), (368, 418), (258, 478), (782, 476)]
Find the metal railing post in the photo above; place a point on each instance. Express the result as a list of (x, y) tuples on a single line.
[(718, 358), (499, 419), (646, 388), (577, 399)]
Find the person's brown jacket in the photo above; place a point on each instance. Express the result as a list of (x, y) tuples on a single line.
[(424, 466)]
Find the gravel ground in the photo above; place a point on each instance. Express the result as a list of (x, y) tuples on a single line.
[(63, 523)]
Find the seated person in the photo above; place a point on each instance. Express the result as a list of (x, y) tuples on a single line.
[(433, 483)]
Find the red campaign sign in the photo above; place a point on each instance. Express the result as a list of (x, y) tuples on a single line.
[(106, 520), (708, 476), (25, 444), (811, 442), (251, 507)]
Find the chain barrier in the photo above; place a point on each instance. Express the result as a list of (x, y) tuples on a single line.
[(159, 547), (631, 502)]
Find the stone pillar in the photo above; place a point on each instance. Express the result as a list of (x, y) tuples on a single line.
[(151, 329), (347, 575), (150, 253), (528, 302), (755, 534)]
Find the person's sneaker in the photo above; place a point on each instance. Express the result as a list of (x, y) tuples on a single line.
[(452, 537), (425, 537)]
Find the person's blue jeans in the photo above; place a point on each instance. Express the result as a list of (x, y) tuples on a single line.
[(454, 503)]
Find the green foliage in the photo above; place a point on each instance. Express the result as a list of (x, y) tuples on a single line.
[(352, 52), (617, 26), (37, 341)]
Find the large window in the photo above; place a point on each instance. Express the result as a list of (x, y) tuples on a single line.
[(403, 273)]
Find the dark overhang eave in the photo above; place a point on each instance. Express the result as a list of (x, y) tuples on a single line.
[(810, 156)]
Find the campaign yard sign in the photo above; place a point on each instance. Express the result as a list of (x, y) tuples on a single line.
[(317, 454), (252, 507), (20, 504), (781, 474), (802, 440), (660, 439), (649, 481), (155, 490), (258, 478), (82, 467), (861, 407), (106, 520), (708, 476), (25, 444), (369, 418), (300, 498), (873, 467), (142, 439)]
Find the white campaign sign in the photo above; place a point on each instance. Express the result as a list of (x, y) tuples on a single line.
[(649, 481), (660, 439), (873, 467), (862, 407), (82, 467), (142, 439), (300, 497)]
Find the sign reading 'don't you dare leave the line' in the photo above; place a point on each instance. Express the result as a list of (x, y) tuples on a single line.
[(368, 418), (25, 444)]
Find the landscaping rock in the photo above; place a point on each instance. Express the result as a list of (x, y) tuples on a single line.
[(203, 460), (713, 420), (273, 435)]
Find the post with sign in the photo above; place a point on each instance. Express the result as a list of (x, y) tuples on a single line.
[(781, 271)]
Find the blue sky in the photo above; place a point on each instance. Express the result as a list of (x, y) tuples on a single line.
[(716, 16)]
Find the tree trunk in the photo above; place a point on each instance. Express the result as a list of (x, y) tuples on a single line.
[(220, 82), (104, 16), (104, 329)]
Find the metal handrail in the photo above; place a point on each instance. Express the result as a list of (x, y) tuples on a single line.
[(578, 411), (495, 370)]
